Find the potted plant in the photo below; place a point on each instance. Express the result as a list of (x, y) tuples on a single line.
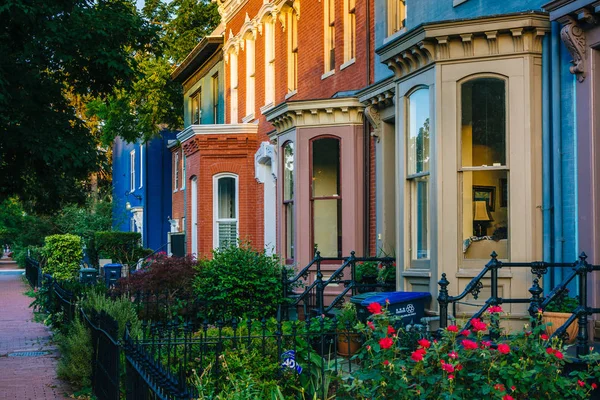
[(366, 273), (386, 275), (558, 312), (348, 340)]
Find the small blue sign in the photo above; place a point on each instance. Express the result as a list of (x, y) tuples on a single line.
[(289, 361)]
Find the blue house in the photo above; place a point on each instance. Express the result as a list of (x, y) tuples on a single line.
[(142, 189), (475, 141)]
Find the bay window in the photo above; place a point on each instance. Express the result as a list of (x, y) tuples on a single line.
[(225, 209)]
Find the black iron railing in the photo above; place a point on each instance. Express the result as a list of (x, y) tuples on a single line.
[(312, 297), (33, 272), (580, 269)]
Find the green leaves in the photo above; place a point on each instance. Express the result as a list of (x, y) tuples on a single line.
[(63, 255)]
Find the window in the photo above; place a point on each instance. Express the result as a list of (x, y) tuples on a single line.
[(417, 160), (225, 209), (292, 51), (250, 72), (132, 171), (215, 97), (350, 30), (485, 183), (288, 199), (329, 35), (325, 197), (141, 165), (396, 16), (233, 70), (176, 172), (182, 167), (196, 107), (269, 62)]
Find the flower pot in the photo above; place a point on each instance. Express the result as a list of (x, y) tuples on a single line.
[(558, 319), (348, 343)]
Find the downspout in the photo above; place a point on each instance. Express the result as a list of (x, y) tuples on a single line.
[(145, 194), (557, 151), (185, 220), (546, 161), (367, 141), (368, 43)]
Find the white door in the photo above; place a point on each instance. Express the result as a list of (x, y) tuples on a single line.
[(194, 216)]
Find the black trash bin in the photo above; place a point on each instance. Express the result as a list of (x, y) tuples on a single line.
[(112, 273), (408, 306), (88, 275)]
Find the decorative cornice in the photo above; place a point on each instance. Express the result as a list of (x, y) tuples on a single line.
[(216, 129), (574, 39), (375, 120), (379, 95), (266, 155), (312, 113), (456, 40)]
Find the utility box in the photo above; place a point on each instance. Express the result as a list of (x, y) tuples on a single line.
[(112, 273), (88, 275), (408, 306)]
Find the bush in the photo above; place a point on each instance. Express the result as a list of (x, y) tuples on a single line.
[(239, 281), (120, 308), (75, 364), (63, 255), (121, 247)]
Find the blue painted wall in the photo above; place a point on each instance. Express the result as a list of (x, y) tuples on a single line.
[(152, 185)]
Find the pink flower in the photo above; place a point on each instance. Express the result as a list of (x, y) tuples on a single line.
[(417, 355), (469, 344), (391, 330), (368, 348), (513, 388), (543, 336), (452, 328), (503, 348), (448, 367), (453, 355), (424, 343), (374, 308), (370, 325), (478, 325), (580, 383), (386, 343)]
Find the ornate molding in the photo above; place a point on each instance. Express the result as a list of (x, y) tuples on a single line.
[(574, 39), (265, 156), (375, 120)]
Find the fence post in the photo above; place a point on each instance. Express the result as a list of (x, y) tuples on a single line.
[(582, 310), (319, 284), (284, 284), (535, 302), (443, 301), (353, 271)]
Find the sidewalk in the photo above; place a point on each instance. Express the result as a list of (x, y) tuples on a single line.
[(29, 376)]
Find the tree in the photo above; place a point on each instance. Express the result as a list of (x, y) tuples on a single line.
[(154, 101), (50, 49)]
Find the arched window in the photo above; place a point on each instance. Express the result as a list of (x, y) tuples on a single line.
[(484, 164), (225, 210), (288, 199), (417, 160), (326, 197)]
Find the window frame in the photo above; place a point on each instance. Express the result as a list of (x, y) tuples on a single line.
[(292, 45), (329, 35), (132, 171), (215, 97), (141, 166), (269, 62), (196, 115), (339, 196), (216, 220), (394, 26), (176, 171), (233, 81), (289, 258), (250, 76), (349, 31)]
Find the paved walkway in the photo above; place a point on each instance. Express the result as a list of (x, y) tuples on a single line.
[(25, 378)]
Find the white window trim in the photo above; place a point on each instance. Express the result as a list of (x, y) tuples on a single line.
[(388, 32), (216, 205), (269, 62), (292, 65), (349, 54), (250, 76), (347, 64), (132, 170), (327, 74), (327, 38), (182, 171), (176, 172), (141, 166), (233, 100)]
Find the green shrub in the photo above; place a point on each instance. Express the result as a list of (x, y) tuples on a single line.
[(63, 255), (75, 364), (121, 247), (120, 308), (239, 281)]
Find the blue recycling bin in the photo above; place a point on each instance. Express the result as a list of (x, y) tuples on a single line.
[(408, 306), (112, 273)]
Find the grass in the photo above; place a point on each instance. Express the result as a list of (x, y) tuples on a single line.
[(39, 317), (29, 293)]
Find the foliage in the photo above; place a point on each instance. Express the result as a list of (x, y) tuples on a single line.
[(562, 302), (63, 255), (85, 221), (240, 281), (50, 49), (347, 317), (462, 365), (366, 270), (75, 345), (120, 308), (121, 247)]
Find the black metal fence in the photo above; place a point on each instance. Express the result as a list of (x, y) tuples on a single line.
[(578, 269), (311, 298), (33, 272)]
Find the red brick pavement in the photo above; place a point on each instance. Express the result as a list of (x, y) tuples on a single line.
[(24, 378)]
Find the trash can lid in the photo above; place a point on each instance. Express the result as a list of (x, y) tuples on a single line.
[(88, 270), (359, 298), (113, 265), (395, 297)]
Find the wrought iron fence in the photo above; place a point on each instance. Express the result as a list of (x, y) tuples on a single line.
[(312, 297), (580, 269), (33, 272)]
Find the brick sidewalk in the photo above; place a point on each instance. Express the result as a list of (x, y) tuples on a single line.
[(24, 378)]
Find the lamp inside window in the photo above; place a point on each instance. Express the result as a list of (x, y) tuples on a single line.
[(481, 217)]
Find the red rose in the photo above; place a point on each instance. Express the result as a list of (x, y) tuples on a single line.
[(450, 377), (594, 386), (465, 333), (370, 325), (550, 350), (543, 336), (424, 343), (391, 330), (503, 348), (452, 328), (494, 310), (448, 367), (558, 355), (485, 344), (459, 367), (453, 355), (507, 397), (580, 383), (478, 325), (386, 363), (417, 355), (469, 344), (374, 308), (386, 343), (499, 386)]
